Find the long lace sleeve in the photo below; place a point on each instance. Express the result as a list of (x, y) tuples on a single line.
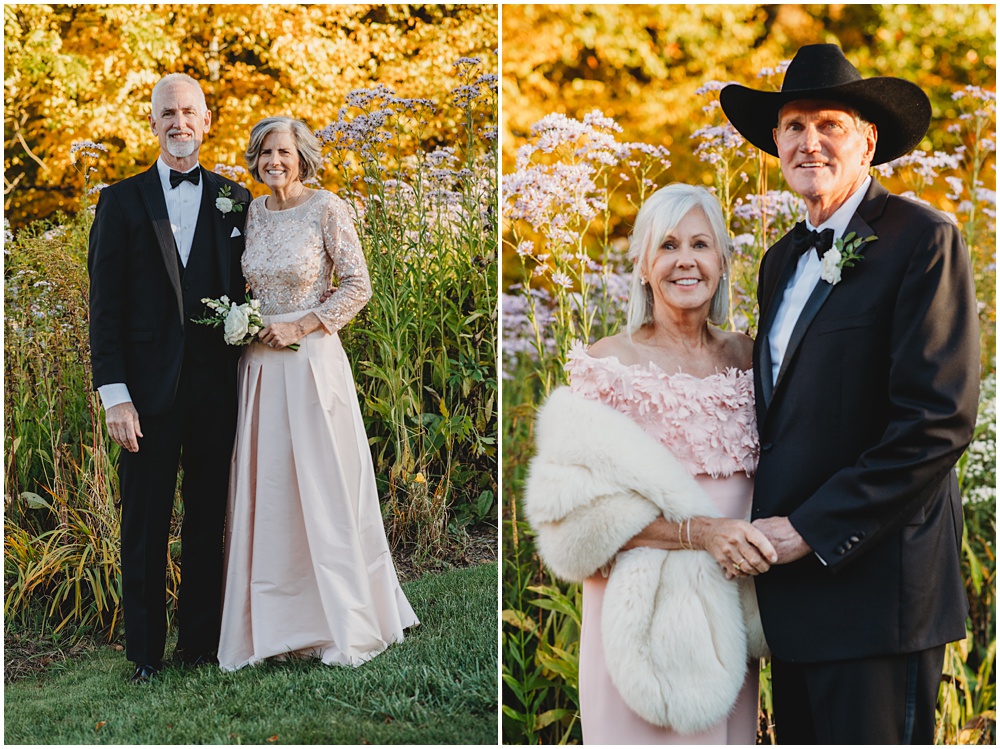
[(354, 289)]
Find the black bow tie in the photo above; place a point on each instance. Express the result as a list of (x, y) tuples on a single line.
[(803, 238), (177, 177)]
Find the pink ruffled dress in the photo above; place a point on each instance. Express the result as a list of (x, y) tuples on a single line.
[(709, 425)]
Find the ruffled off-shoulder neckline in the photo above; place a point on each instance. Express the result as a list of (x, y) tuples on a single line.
[(708, 423)]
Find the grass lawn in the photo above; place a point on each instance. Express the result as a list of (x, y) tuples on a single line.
[(437, 687)]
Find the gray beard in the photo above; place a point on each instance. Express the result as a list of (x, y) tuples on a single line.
[(181, 150)]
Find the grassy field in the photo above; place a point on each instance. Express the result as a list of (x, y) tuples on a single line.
[(437, 687)]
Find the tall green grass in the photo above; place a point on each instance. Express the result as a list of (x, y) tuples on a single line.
[(427, 342)]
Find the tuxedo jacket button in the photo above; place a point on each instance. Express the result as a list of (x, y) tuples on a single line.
[(766, 447)]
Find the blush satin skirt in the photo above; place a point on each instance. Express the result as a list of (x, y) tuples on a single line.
[(308, 568)]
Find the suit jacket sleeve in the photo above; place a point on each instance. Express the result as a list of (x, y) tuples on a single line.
[(933, 398), (106, 264)]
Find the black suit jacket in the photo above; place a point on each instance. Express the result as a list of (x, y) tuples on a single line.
[(137, 325), (875, 402)]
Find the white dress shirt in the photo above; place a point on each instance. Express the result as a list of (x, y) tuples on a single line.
[(183, 204), (807, 275)]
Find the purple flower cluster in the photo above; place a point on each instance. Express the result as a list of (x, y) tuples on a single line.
[(236, 173), (86, 149), (781, 207)]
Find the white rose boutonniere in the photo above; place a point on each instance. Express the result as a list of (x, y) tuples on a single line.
[(845, 253), (225, 202)]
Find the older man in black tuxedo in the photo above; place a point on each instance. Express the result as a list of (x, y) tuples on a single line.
[(867, 376), (161, 241)]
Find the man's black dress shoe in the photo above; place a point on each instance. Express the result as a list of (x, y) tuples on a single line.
[(196, 659), (144, 673)]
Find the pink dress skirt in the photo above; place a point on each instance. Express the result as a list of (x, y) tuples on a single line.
[(308, 568)]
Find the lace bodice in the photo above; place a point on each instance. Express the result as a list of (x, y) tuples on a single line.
[(707, 423), (291, 255)]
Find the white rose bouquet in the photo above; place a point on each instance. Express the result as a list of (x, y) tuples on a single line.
[(240, 322)]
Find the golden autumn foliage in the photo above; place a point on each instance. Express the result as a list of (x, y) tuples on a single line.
[(85, 73), (641, 64)]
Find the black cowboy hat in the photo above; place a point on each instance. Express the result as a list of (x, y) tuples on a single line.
[(899, 109)]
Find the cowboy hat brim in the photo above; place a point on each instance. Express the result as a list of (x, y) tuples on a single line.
[(899, 110)]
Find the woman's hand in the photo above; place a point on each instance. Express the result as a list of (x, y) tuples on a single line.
[(738, 547), (283, 334)]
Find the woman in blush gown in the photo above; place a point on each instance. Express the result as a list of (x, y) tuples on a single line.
[(644, 463), (308, 568)]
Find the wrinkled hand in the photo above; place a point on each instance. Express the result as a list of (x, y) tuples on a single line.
[(281, 334), (123, 425), (738, 547), (785, 539)]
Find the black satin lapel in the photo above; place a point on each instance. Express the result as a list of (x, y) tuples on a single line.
[(862, 230), (787, 271), (152, 194), (813, 304), (763, 331), (220, 237), (764, 369)]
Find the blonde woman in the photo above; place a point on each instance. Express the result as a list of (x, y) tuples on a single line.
[(640, 487)]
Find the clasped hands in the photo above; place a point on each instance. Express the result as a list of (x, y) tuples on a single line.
[(282, 334), (742, 549)]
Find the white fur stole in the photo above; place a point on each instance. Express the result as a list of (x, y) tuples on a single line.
[(675, 631)]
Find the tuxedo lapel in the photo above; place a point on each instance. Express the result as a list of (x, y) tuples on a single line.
[(220, 228), (815, 302), (765, 365), (156, 205)]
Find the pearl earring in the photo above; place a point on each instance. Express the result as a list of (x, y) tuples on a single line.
[(642, 280)]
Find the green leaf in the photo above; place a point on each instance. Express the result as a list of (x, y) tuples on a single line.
[(551, 716), (35, 501), (520, 620)]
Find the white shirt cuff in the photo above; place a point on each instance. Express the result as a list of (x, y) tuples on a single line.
[(113, 394)]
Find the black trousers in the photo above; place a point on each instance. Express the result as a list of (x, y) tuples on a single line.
[(879, 700), (197, 434)]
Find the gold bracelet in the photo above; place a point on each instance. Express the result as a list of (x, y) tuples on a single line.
[(680, 527), (690, 545)]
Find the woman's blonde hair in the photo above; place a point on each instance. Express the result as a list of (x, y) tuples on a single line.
[(661, 212)]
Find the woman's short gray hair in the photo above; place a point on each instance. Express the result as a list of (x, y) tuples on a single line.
[(661, 212), (307, 144)]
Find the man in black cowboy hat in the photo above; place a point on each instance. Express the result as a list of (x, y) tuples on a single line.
[(866, 376)]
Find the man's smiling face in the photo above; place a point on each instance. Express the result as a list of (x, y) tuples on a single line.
[(825, 153)]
